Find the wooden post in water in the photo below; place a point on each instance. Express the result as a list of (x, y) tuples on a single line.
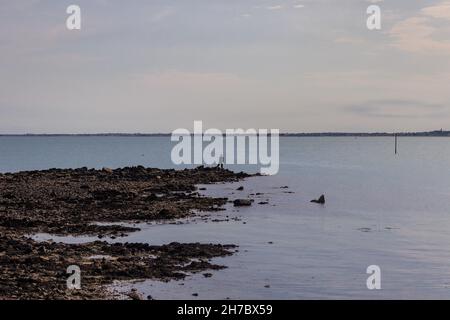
[(395, 138)]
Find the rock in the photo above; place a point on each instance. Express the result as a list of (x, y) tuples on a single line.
[(242, 202), (168, 213), (134, 295), (263, 202), (240, 188), (321, 200), (207, 275), (195, 294), (151, 197), (107, 170)]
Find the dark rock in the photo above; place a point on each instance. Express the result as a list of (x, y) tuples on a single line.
[(168, 213), (242, 202), (107, 170), (321, 200), (134, 295), (240, 188)]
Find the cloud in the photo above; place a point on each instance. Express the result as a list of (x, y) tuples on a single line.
[(177, 80), (277, 7), (440, 11), (351, 40), (398, 109), (162, 15), (416, 35), (420, 34), (299, 6)]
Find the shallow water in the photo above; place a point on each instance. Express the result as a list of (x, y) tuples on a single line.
[(382, 209)]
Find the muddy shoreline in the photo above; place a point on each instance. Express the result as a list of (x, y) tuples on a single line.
[(73, 201)]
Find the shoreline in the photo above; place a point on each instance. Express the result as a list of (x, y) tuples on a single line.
[(73, 202)]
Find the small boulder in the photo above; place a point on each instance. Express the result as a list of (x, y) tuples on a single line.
[(134, 295), (107, 170), (240, 188), (321, 200), (242, 202)]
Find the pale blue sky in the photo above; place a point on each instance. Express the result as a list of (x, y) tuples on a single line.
[(154, 66)]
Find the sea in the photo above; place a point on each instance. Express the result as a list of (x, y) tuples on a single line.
[(382, 209)]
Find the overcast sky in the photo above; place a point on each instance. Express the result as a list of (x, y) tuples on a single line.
[(154, 66)]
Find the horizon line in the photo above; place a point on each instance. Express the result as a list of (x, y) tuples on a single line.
[(440, 132)]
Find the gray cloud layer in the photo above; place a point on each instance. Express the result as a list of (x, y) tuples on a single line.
[(150, 66)]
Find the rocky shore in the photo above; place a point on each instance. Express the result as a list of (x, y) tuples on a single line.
[(73, 202)]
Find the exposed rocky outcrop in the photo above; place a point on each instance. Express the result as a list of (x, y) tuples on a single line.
[(69, 201)]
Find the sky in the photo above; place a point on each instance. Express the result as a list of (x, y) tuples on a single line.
[(158, 65)]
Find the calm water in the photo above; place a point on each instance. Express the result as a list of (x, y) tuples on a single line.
[(382, 209)]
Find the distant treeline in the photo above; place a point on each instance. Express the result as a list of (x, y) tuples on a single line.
[(436, 133)]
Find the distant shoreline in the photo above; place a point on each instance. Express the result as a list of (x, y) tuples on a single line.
[(437, 133)]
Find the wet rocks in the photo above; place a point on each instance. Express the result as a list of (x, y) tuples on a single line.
[(321, 200), (168, 213), (32, 270), (72, 202), (66, 201)]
